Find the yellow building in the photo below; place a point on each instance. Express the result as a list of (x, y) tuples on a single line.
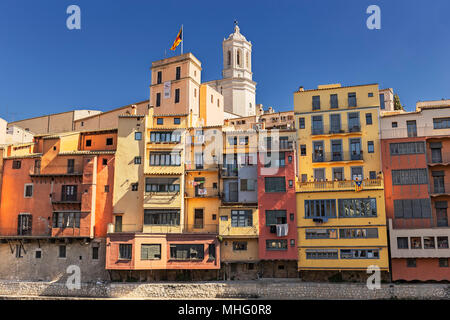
[(340, 197)]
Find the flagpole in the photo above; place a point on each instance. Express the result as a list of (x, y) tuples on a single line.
[(182, 38)]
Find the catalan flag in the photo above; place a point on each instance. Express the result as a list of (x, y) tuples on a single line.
[(178, 39)]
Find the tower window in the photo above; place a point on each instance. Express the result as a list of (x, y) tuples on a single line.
[(159, 80), (178, 75), (238, 58), (177, 95), (229, 58)]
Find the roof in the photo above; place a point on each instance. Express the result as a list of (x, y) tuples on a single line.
[(336, 88), (113, 110)]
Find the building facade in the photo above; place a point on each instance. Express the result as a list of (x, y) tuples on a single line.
[(415, 147), (340, 197)]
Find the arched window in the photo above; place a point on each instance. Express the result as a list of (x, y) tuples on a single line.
[(246, 61), (229, 57), (238, 60)]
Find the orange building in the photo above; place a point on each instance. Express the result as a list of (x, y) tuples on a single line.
[(56, 202)]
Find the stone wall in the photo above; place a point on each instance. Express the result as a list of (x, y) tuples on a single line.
[(261, 289)]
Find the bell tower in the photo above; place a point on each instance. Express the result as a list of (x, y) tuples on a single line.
[(237, 85)]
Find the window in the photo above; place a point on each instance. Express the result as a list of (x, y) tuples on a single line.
[(402, 243), (319, 174), (409, 176), (134, 186), (137, 160), (16, 164), (177, 95), (94, 253), (62, 251), (352, 99), (159, 121), (70, 165), (333, 101), (335, 123), (353, 122), (303, 149), (370, 94), (150, 252), (239, 246), (88, 142), (292, 241), (441, 213), (276, 244), (274, 217), (321, 234), (165, 159), (372, 175), (370, 147), (407, 148), (411, 262), (304, 177), (109, 141), (138, 135), (317, 125), (125, 251), (211, 252), (428, 243), (176, 120), (301, 123), (316, 102), (320, 208), (394, 124), (241, 218), (443, 262), (441, 123), (161, 217), (198, 218), (291, 183), (118, 224), (338, 174), (356, 173), (158, 99), (106, 188), (354, 208), (38, 254), (28, 191), (416, 243), (411, 128), (178, 73), (442, 242), (248, 184), (336, 150), (358, 233), (360, 254), (321, 254), (382, 105), (368, 118), (412, 208), (318, 151), (159, 77), (187, 251), (165, 136), (291, 216), (104, 161), (66, 219), (275, 184)]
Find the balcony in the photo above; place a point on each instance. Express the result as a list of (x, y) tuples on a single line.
[(345, 185), (58, 198), (226, 230), (202, 167), (335, 130), (281, 146), (53, 171), (337, 156), (201, 192), (440, 189), (439, 159), (229, 170)]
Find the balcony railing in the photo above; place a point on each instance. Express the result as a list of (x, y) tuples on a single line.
[(229, 170), (442, 159), (50, 170), (226, 229), (326, 130), (339, 185), (440, 189), (202, 167), (337, 156), (414, 223), (66, 198), (201, 192)]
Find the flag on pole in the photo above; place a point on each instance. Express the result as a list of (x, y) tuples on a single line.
[(178, 39)]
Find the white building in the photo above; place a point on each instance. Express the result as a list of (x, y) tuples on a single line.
[(236, 85)]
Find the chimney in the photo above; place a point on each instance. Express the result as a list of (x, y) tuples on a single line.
[(301, 88)]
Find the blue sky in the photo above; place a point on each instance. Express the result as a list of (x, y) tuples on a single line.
[(46, 68)]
